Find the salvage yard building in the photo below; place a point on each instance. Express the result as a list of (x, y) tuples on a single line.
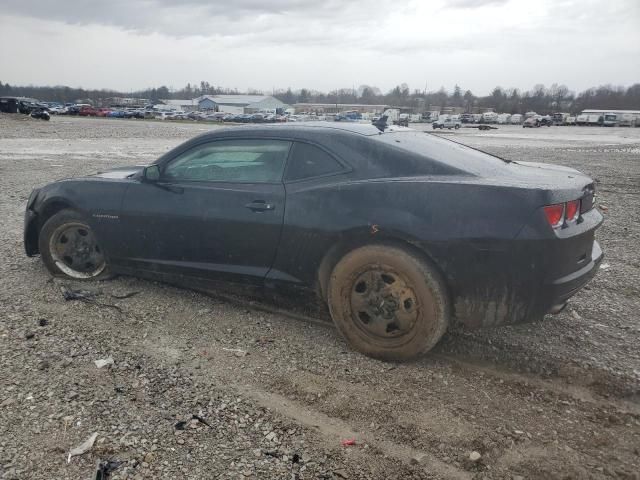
[(239, 103)]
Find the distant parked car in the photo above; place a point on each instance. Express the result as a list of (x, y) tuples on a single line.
[(546, 120), (537, 121), (87, 111), (348, 116), (466, 118), (447, 123), (195, 116), (216, 116), (116, 114), (40, 112), (58, 110), (516, 119), (134, 113), (103, 112)]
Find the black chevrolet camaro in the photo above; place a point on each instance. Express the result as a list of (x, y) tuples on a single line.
[(400, 233)]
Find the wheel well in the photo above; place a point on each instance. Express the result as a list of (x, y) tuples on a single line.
[(47, 212), (337, 252)]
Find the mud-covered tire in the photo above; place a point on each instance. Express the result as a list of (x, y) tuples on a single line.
[(69, 248), (395, 318)]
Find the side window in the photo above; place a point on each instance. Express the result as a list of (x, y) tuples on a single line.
[(248, 161), (309, 161)]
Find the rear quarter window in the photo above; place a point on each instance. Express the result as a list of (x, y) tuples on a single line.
[(308, 161)]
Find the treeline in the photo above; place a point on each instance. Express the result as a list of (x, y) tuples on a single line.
[(540, 99), (64, 94)]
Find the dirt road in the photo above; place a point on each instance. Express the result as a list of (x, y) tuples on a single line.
[(556, 399)]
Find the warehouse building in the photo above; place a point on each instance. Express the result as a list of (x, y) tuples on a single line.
[(333, 108), (124, 102), (240, 103), (177, 105)]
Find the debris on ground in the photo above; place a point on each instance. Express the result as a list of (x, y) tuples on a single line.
[(83, 448), (348, 442), (182, 424), (126, 295), (201, 420), (475, 456), (82, 295), (104, 469), (236, 351), (85, 296), (418, 458), (103, 362)]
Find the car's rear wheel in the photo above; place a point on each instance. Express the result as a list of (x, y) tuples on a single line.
[(70, 248), (388, 303)]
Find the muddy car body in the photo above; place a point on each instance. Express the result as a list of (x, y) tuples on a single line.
[(400, 232)]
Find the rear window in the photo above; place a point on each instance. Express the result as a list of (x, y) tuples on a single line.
[(447, 153)]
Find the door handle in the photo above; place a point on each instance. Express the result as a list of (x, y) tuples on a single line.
[(260, 206)]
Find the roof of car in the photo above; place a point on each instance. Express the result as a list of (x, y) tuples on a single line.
[(365, 129)]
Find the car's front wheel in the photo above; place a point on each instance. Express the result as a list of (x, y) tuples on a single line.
[(69, 247), (388, 303)]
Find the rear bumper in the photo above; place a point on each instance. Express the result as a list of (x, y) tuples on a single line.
[(562, 289)]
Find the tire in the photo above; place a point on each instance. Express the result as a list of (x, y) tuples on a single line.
[(67, 240), (408, 285), (457, 127)]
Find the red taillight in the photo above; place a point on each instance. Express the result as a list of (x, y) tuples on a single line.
[(555, 214), (572, 211)]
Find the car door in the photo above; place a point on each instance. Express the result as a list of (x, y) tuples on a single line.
[(216, 211), (314, 215)]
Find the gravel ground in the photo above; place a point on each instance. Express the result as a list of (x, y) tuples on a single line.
[(556, 399)]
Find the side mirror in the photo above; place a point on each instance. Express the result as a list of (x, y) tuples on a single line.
[(151, 173)]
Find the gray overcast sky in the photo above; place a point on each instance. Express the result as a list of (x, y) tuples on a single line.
[(478, 44)]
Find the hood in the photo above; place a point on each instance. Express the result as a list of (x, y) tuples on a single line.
[(121, 172)]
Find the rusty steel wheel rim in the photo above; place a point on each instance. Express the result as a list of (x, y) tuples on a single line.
[(76, 252), (383, 304)]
